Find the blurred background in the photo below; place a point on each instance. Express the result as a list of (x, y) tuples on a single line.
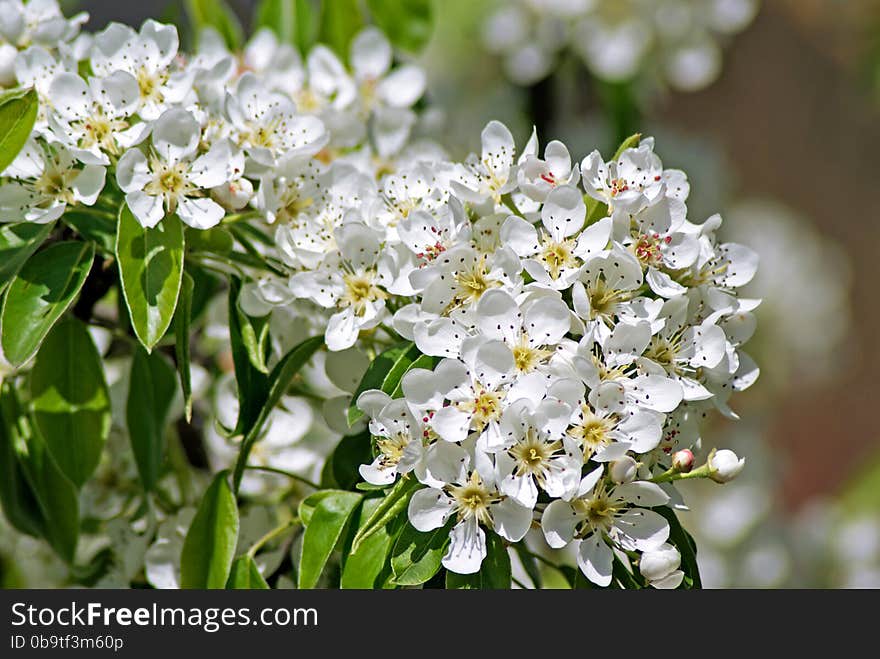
[(775, 116)]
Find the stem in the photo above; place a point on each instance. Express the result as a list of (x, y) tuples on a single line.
[(672, 475), (271, 535), (282, 472)]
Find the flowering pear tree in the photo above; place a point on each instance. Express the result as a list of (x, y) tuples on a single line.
[(260, 329)]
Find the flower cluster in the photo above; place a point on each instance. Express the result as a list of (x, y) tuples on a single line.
[(674, 40), (196, 136), (582, 327)]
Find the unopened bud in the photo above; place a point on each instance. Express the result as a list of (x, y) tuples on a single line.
[(623, 470), (683, 461), (660, 566), (724, 465)]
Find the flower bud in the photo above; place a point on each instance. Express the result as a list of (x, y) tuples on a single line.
[(623, 470), (683, 461), (724, 465), (660, 566)]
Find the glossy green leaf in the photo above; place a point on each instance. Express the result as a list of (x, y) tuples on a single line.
[(18, 112), (384, 373), (150, 393), (43, 290), (278, 382), (253, 386), (307, 506), (17, 243), (341, 20), (685, 545), (363, 567), (55, 496), (182, 324), (209, 547), (151, 272), (494, 573), (218, 15), (217, 240), (326, 525), (391, 505), (407, 23), (255, 337), (70, 400), (416, 556), (245, 575)]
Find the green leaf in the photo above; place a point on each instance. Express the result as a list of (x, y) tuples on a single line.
[(218, 15), (624, 576), (279, 16), (150, 393), (182, 322), (363, 567), (630, 142), (18, 112), (253, 386), (392, 504), (42, 291), (97, 226), (19, 502), (307, 506), (209, 547), (326, 525), (278, 382), (384, 373), (407, 23), (685, 545), (70, 400), (255, 337), (17, 243), (416, 556), (245, 575), (494, 573), (341, 20), (55, 496), (216, 241), (151, 271)]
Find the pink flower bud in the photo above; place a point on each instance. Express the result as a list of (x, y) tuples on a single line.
[(683, 461)]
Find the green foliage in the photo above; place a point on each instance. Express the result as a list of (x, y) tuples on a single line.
[(364, 567), (17, 243), (182, 325), (216, 14), (151, 272), (209, 547), (407, 23), (40, 498), (245, 575), (326, 523), (18, 112), (294, 21), (340, 21), (70, 401), (277, 383), (150, 393), (41, 292), (416, 556)]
